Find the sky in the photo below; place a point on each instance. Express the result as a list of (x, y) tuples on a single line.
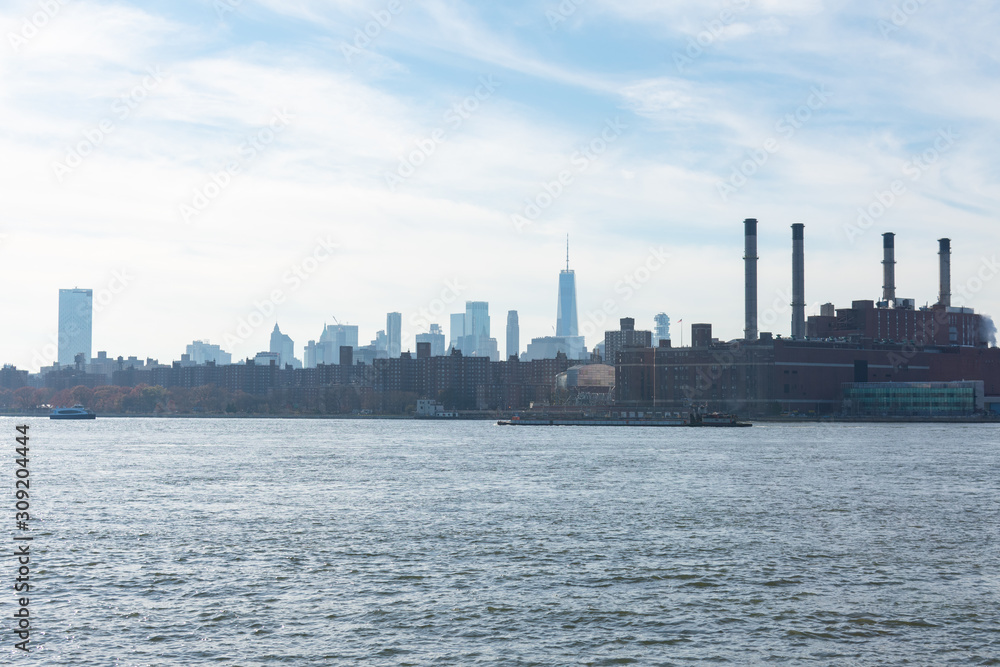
[(210, 168)]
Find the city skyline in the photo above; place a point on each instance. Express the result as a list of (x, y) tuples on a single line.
[(471, 332), (190, 163)]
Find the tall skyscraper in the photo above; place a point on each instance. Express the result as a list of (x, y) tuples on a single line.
[(477, 319), (477, 341), (513, 335), (394, 333), (284, 347), (76, 325), (662, 330), (566, 320), (457, 331)]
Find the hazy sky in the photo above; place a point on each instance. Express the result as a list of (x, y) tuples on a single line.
[(194, 161)]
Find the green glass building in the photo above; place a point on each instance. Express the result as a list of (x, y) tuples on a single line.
[(914, 399)]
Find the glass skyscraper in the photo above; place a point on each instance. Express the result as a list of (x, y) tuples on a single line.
[(566, 320), (477, 341), (76, 325), (457, 331), (394, 333), (513, 335)]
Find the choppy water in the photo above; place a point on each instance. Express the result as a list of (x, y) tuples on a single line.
[(183, 542)]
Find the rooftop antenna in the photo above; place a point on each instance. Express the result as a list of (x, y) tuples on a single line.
[(567, 252)]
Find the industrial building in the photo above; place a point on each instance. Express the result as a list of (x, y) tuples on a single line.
[(902, 351)]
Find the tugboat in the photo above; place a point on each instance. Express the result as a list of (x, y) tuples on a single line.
[(75, 412)]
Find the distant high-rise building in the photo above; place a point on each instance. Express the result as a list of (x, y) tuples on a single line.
[(327, 350), (626, 336), (267, 359), (284, 347), (201, 352), (394, 334), (457, 331), (513, 335), (549, 347), (566, 320), (476, 341), (76, 325), (435, 339), (662, 329)]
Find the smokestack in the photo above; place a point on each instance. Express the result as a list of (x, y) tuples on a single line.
[(945, 252), (750, 260), (889, 267), (798, 282)]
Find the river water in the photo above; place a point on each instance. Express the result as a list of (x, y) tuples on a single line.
[(340, 542)]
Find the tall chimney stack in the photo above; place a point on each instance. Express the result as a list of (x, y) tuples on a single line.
[(945, 252), (798, 282), (750, 260), (889, 267)]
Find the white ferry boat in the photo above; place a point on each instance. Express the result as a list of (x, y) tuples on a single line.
[(75, 412)]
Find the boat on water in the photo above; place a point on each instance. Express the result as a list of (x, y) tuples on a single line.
[(75, 412), (717, 419), (626, 419)]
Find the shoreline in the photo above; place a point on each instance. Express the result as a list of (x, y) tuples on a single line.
[(481, 417)]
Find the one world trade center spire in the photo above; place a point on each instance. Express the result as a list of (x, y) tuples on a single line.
[(566, 320)]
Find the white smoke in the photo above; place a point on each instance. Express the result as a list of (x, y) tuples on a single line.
[(988, 330)]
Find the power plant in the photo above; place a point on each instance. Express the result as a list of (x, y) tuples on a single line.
[(873, 359)]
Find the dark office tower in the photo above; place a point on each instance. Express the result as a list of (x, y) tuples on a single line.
[(566, 321), (889, 267), (750, 262), (423, 350), (945, 252), (798, 282), (346, 355), (513, 335)]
